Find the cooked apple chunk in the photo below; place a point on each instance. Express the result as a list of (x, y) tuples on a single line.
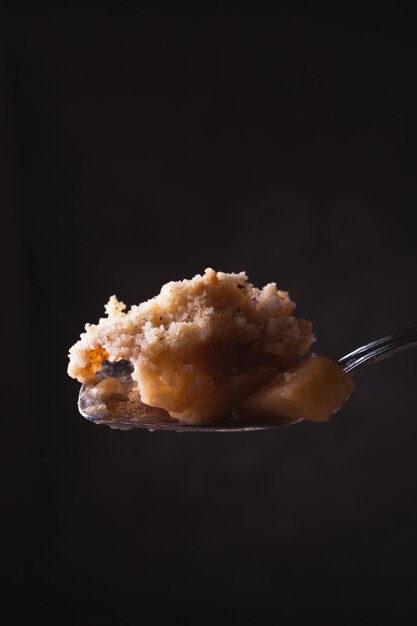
[(312, 390)]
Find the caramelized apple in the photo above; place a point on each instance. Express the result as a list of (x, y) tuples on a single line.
[(312, 390)]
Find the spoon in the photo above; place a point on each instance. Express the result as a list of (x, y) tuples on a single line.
[(131, 413)]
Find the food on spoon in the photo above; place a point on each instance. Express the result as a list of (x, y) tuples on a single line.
[(206, 347)]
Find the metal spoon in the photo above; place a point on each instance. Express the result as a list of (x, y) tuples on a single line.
[(131, 413)]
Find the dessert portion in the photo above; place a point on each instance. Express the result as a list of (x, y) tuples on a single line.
[(207, 347)]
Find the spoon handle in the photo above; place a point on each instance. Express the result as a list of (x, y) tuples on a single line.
[(379, 350)]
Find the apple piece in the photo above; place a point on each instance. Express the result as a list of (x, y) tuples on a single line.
[(312, 390)]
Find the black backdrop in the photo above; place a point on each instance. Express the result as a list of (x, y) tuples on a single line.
[(143, 146)]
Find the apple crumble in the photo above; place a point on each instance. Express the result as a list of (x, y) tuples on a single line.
[(206, 347)]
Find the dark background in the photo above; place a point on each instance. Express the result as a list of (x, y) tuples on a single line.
[(144, 146)]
